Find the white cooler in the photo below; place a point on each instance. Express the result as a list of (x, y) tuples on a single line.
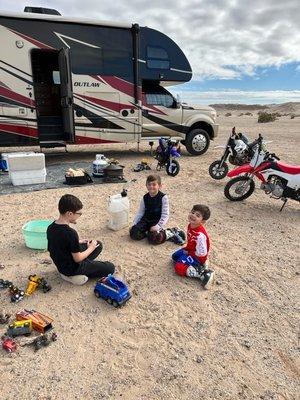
[(4, 156), (27, 168)]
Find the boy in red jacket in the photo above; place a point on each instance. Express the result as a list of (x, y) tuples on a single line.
[(190, 260)]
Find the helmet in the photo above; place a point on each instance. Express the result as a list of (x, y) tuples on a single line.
[(240, 146), (157, 237)]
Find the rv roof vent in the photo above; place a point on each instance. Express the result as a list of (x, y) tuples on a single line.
[(41, 10)]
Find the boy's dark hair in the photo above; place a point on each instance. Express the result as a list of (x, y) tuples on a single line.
[(153, 178), (68, 202), (203, 210)]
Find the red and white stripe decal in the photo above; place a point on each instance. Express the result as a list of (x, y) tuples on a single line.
[(90, 140), (9, 94), (126, 88), (110, 105), (37, 43), (19, 130), (117, 83)]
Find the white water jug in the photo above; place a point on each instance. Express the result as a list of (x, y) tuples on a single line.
[(118, 209), (99, 164)]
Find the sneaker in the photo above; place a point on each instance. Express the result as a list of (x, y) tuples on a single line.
[(175, 235), (195, 271), (75, 279), (207, 278), (138, 168), (169, 234), (180, 236)]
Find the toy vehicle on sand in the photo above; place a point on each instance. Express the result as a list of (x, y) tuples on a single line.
[(112, 290), (8, 344), (4, 284), (4, 317), (16, 294), (19, 328), (35, 282), (43, 341)]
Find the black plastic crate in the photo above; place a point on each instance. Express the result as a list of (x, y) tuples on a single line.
[(76, 180)]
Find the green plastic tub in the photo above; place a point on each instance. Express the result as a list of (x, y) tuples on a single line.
[(35, 233)]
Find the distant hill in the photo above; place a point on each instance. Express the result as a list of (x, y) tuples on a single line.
[(290, 107), (237, 107)]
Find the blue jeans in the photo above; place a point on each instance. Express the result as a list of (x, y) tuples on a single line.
[(182, 256)]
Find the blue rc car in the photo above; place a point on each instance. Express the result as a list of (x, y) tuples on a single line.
[(112, 290)]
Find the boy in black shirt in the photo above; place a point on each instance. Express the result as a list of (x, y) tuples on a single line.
[(74, 258)]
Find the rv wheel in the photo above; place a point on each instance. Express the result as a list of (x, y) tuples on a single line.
[(197, 141)]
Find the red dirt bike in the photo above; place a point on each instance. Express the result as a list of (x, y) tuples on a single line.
[(280, 180)]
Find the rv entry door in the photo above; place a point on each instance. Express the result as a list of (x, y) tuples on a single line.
[(66, 94)]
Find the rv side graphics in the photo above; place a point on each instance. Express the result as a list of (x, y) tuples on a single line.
[(67, 81)]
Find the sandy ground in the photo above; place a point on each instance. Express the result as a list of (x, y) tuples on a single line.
[(173, 340)]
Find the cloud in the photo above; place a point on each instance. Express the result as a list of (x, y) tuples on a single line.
[(222, 39)]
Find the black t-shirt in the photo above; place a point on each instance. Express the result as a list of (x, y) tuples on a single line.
[(62, 241)]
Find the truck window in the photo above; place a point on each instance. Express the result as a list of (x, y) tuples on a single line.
[(159, 97)]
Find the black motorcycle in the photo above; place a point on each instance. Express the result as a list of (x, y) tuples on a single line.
[(237, 151)]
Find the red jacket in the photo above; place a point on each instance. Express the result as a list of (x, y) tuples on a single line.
[(198, 243)]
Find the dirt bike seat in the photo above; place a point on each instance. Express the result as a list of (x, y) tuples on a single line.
[(289, 169)]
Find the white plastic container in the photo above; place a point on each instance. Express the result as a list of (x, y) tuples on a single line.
[(26, 161), (19, 178), (26, 168), (118, 209), (99, 164), (4, 157)]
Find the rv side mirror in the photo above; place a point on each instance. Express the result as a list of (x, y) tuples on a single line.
[(178, 101), (176, 104)]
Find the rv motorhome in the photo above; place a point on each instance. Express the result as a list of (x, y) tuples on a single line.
[(74, 81)]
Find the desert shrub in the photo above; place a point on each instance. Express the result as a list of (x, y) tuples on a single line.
[(228, 114), (293, 116), (249, 113), (264, 117), (241, 114)]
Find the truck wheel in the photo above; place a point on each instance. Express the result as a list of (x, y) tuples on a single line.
[(97, 294), (197, 141), (109, 300), (115, 304)]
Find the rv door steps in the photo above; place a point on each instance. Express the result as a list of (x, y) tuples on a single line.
[(50, 144)]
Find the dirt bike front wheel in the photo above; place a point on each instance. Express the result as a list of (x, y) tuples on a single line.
[(172, 167), (239, 188), (218, 171)]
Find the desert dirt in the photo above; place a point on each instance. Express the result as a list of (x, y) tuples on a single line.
[(172, 340)]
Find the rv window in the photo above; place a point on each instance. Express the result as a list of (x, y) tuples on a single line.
[(157, 52), (56, 77), (157, 58)]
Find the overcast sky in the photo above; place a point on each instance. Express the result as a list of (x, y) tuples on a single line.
[(236, 47)]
